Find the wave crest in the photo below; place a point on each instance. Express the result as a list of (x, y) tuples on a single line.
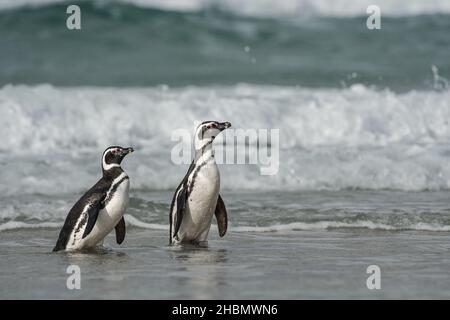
[(269, 8), (280, 228), (330, 139)]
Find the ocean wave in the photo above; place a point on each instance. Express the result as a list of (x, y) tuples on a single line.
[(330, 139), (39, 119), (269, 8), (17, 225), (123, 45), (325, 225), (132, 221)]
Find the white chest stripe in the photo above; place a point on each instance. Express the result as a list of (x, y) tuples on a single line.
[(117, 181)]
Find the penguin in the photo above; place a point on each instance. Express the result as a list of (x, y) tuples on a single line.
[(100, 209), (197, 198)]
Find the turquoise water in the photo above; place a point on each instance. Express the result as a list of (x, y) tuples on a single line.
[(124, 45)]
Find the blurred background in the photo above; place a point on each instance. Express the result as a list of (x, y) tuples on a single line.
[(222, 42), (357, 108)]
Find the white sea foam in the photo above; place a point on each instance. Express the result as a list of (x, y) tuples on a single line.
[(306, 226), (280, 228), (132, 221), (15, 225), (330, 139), (337, 8), (324, 225)]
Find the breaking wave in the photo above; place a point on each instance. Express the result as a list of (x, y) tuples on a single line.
[(280, 228), (15, 225), (330, 139), (265, 8)]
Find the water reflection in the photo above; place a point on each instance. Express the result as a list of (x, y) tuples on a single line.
[(200, 271), (103, 257)]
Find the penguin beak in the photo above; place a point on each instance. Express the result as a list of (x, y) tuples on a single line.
[(127, 151), (224, 125)]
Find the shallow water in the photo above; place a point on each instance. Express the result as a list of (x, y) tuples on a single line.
[(248, 262), (305, 264)]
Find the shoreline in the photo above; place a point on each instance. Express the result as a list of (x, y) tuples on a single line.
[(295, 265)]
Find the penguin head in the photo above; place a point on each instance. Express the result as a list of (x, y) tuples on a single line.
[(113, 156), (207, 131)]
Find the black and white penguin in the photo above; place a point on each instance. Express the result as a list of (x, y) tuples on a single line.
[(197, 198), (100, 209)]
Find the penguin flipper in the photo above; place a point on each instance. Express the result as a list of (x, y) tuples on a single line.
[(221, 216), (92, 213), (179, 198), (120, 231), (181, 205)]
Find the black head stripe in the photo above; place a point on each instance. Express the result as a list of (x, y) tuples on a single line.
[(109, 158), (214, 124), (113, 155)]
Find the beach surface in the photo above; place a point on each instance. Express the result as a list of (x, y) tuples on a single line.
[(283, 261)]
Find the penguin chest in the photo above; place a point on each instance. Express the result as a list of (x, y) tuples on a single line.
[(118, 201), (110, 215), (202, 199)]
